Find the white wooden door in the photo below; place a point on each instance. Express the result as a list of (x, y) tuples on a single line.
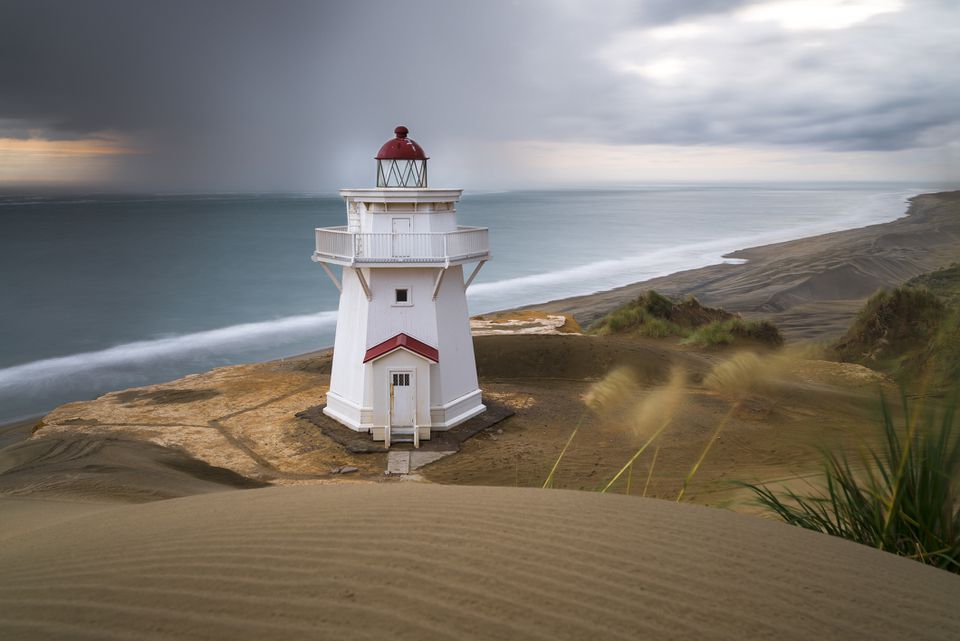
[(402, 240), (403, 398)]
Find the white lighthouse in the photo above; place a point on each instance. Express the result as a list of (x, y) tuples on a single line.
[(403, 362)]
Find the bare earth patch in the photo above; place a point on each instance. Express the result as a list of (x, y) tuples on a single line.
[(243, 418)]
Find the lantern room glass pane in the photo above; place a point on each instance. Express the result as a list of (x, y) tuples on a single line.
[(401, 173)]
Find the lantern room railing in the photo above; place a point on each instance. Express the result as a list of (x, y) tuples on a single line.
[(337, 245)]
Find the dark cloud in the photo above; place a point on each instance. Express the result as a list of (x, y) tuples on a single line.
[(299, 94)]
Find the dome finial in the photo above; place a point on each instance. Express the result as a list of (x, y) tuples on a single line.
[(401, 131)]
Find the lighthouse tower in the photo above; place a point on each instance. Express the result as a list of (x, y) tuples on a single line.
[(403, 362)]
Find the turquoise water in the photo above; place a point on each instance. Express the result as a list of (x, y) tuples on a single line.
[(103, 292)]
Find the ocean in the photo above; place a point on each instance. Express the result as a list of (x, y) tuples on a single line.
[(102, 292)]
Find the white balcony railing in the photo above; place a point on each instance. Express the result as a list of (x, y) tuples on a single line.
[(336, 244)]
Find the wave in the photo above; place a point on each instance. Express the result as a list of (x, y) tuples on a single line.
[(608, 274), (85, 374)]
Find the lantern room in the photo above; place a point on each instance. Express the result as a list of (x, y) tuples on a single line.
[(401, 162)]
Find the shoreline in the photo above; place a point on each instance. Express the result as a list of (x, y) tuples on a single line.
[(811, 287)]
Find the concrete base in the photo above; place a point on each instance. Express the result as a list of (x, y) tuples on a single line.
[(407, 461), (448, 440)]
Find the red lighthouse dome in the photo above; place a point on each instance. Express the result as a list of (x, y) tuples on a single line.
[(401, 162), (401, 147)]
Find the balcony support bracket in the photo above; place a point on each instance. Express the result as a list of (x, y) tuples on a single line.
[(473, 274), (436, 285), (333, 277), (363, 283)]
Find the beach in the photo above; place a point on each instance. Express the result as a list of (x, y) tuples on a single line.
[(227, 514), (810, 287)]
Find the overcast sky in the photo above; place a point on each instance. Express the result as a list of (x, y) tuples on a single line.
[(206, 95)]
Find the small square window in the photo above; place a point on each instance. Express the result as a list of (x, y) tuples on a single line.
[(402, 296)]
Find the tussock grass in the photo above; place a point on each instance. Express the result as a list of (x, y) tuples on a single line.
[(656, 316), (719, 333), (944, 283), (909, 332), (904, 499)]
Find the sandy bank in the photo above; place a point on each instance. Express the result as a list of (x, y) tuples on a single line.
[(811, 287), (413, 561)]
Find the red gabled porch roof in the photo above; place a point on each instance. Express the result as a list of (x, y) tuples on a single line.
[(406, 342)]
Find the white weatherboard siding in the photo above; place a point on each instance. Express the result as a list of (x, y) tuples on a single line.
[(454, 340), (386, 319), (409, 225)]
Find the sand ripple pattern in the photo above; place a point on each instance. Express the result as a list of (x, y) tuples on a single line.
[(417, 561)]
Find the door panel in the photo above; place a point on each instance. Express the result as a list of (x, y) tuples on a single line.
[(402, 398), (402, 239)]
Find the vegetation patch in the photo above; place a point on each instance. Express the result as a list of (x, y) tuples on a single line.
[(903, 499), (911, 332), (944, 283), (656, 316)]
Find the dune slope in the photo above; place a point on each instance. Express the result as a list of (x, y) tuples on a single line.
[(413, 561)]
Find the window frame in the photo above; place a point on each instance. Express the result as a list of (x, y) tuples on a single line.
[(406, 303)]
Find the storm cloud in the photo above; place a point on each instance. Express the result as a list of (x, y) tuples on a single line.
[(289, 95)]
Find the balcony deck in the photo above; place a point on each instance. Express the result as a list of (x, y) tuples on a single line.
[(338, 246)]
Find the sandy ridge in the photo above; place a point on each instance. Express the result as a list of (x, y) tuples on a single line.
[(414, 561)]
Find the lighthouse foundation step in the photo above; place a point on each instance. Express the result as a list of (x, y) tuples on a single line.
[(405, 434)]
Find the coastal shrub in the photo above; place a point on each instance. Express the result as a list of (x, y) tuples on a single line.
[(656, 316), (719, 333), (944, 283), (659, 328), (762, 331), (646, 315), (713, 334), (904, 499), (657, 305), (908, 332), (890, 322)]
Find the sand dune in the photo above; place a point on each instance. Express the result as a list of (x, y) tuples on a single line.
[(414, 561), (811, 287), (85, 467)]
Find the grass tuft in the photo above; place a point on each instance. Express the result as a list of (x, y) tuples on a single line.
[(903, 499), (911, 332), (720, 333), (656, 316)]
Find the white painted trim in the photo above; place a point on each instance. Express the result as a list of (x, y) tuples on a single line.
[(459, 399), (402, 195), (409, 351), (439, 281), (346, 401), (340, 416), (476, 270), (363, 283), (409, 302), (336, 283), (466, 416)]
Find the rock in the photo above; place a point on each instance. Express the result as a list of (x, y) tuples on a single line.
[(349, 469), (499, 431)]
